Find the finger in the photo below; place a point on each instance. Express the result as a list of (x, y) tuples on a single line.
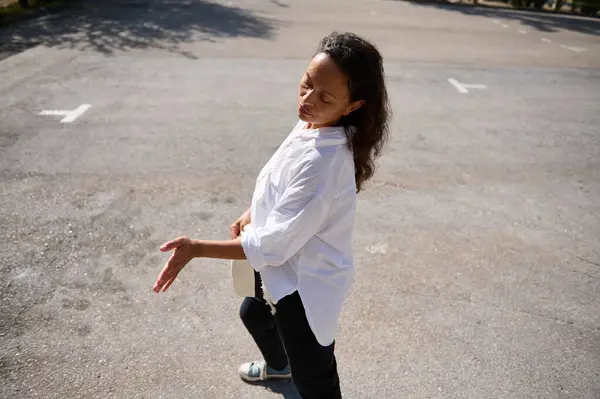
[(157, 286), (235, 231), (170, 271), (168, 246), (176, 243), (160, 282), (164, 275), (169, 283)]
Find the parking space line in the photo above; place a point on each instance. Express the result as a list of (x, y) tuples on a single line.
[(544, 39), (458, 86), (69, 115), (463, 87), (575, 49)]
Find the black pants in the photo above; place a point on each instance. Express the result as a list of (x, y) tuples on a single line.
[(287, 336)]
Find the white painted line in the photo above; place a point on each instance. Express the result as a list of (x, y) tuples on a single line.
[(545, 40), (377, 249), (76, 113), (458, 86), (505, 26), (522, 31), (495, 21), (575, 49), (463, 87), (474, 86), (49, 112), (69, 116)]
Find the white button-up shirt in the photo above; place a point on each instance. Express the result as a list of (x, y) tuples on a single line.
[(302, 220)]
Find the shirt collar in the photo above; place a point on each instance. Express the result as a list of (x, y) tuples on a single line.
[(323, 137)]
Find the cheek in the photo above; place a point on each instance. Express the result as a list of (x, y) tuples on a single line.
[(333, 111)]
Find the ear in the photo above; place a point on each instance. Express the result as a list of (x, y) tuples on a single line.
[(354, 106)]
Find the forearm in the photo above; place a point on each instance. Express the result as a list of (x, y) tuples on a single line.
[(230, 249)]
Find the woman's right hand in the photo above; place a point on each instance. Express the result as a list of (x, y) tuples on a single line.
[(238, 226), (184, 251)]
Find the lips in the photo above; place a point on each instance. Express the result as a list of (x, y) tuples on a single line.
[(303, 110)]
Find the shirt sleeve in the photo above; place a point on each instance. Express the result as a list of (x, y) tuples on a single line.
[(297, 216)]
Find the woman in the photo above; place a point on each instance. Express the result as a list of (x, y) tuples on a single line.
[(297, 233)]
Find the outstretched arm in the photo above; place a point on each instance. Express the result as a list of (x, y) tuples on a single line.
[(185, 249)]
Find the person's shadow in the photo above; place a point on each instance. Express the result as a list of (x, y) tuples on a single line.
[(285, 388)]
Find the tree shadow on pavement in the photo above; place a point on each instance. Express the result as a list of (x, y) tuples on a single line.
[(117, 25), (538, 20)]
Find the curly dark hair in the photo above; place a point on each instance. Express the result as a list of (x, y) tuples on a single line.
[(361, 62)]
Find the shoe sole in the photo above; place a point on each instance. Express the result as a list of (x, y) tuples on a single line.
[(271, 377)]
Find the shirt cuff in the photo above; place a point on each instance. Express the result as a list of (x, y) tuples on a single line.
[(252, 249)]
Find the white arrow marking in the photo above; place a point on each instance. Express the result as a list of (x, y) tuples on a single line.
[(575, 49), (69, 116), (463, 87), (459, 87)]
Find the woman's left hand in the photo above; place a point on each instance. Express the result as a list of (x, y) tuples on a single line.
[(184, 252)]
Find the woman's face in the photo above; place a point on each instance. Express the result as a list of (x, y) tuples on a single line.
[(324, 96)]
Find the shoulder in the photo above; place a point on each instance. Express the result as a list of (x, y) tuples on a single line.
[(320, 157), (324, 168)]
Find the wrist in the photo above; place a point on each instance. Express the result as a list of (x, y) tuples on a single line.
[(197, 248)]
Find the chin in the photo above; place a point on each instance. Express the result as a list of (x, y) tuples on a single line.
[(304, 118)]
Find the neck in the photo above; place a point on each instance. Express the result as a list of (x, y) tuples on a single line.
[(310, 125)]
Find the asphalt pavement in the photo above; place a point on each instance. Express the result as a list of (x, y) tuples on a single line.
[(477, 242)]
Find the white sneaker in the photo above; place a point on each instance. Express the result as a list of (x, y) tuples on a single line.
[(259, 371)]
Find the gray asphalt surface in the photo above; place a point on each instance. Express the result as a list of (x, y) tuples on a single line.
[(477, 242)]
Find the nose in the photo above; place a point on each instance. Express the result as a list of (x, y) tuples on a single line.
[(307, 99)]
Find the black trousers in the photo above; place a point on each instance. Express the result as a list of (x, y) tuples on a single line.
[(287, 337)]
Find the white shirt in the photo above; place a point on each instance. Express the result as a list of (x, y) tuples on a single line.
[(302, 220)]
